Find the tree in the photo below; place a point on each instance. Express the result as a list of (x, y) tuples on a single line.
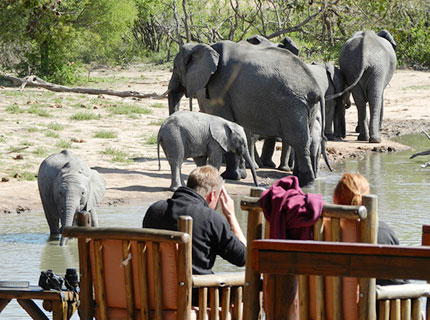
[(52, 36)]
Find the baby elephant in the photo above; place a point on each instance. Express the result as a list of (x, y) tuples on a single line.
[(203, 137), (66, 186)]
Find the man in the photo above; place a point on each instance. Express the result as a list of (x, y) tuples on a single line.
[(213, 234)]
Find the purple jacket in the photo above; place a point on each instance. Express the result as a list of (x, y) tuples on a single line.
[(290, 212)]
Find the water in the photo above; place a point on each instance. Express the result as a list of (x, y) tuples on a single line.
[(401, 185)]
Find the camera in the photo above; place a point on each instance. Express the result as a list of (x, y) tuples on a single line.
[(49, 280), (71, 279)]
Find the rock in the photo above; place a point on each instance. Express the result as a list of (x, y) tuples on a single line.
[(4, 179), (18, 157), (78, 140), (21, 209)]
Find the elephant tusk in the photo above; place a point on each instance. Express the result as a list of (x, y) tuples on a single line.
[(163, 95)]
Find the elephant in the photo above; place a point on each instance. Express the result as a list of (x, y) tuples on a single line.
[(331, 81), (203, 137), (368, 61), (267, 90), (66, 186)]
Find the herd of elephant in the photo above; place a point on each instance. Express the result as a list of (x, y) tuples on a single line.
[(246, 90), (269, 91)]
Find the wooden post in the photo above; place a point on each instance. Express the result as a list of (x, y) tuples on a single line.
[(319, 280), (368, 234), (142, 262), (252, 278), (416, 309), (128, 276), (99, 281), (185, 224), (406, 309)]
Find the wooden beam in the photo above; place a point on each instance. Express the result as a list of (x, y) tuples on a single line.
[(32, 309), (340, 259), (128, 277)]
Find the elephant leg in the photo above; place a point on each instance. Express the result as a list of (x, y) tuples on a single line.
[(267, 152), (360, 102), (231, 164), (331, 112), (200, 161), (291, 160), (175, 168), (285, 157), (94, 219), (242, 167), (375, 107), (251, 139), (339, 123), (52, 218), (257, 157)]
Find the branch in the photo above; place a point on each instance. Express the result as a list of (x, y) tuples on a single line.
[(294, 28), (34, 81)]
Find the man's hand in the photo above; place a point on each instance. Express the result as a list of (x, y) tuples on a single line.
[(227, 206)]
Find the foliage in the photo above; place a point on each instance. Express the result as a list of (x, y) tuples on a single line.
[(103, 134), (54, 39), (53, 36), (81, 116)]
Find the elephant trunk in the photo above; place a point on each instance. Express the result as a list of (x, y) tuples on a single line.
[(176, 91), (251, 166), (67, 218)]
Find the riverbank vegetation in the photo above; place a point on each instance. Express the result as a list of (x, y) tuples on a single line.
[(60, 41)]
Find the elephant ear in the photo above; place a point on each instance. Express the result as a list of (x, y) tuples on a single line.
[(201, 63), (221, 134), (336, 77), (387, 36), (96, 189)]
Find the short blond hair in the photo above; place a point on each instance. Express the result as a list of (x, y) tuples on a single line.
[(205, 179), (350, 189)]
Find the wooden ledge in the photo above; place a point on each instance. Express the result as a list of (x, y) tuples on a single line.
[(219, 280)]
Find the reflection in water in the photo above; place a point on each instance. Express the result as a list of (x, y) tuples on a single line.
[(401, 185)]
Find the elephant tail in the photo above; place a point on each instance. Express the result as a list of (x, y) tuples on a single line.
[(323, 142), (337, 95)]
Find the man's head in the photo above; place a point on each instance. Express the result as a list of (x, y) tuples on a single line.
[(207, 182)]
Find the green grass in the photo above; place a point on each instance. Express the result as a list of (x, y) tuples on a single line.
[(38, 111), (421, 87), (33, 129), (82, 116), (41, 152), (63, 144), (117, 155), (25, 176), (2, 140), (158, 105), (152, 139), (128, 109), (14, 109), (55, 126), (102, 134), (13, 93), (51, 134), (157, 122)]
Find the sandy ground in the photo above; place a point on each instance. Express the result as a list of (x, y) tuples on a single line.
[(35, 123)]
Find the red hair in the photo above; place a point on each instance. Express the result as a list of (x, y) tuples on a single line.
[(350, 189)]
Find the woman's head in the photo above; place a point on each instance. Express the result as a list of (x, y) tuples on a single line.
[(350, 188)]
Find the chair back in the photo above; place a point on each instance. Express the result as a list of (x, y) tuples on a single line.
[(136, 273), (318, 297)]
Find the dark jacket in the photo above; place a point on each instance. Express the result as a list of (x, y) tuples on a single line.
[(386, 235), (212, 234)]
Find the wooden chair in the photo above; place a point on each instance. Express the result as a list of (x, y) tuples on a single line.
[(320, 298), (141, 273)]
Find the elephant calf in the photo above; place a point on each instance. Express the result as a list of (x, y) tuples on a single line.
[(66, 186), (203, 137)]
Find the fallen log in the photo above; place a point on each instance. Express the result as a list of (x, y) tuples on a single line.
[(34, 81)]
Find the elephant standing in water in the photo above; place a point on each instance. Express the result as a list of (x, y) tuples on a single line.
[(203, 137), (66, 186), (269, 91), (368, 61)]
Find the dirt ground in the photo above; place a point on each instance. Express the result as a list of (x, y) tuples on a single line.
[(119, 141)]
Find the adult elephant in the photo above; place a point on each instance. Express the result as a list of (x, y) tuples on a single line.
[(268, 90), (66, 186), (368, 61)]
